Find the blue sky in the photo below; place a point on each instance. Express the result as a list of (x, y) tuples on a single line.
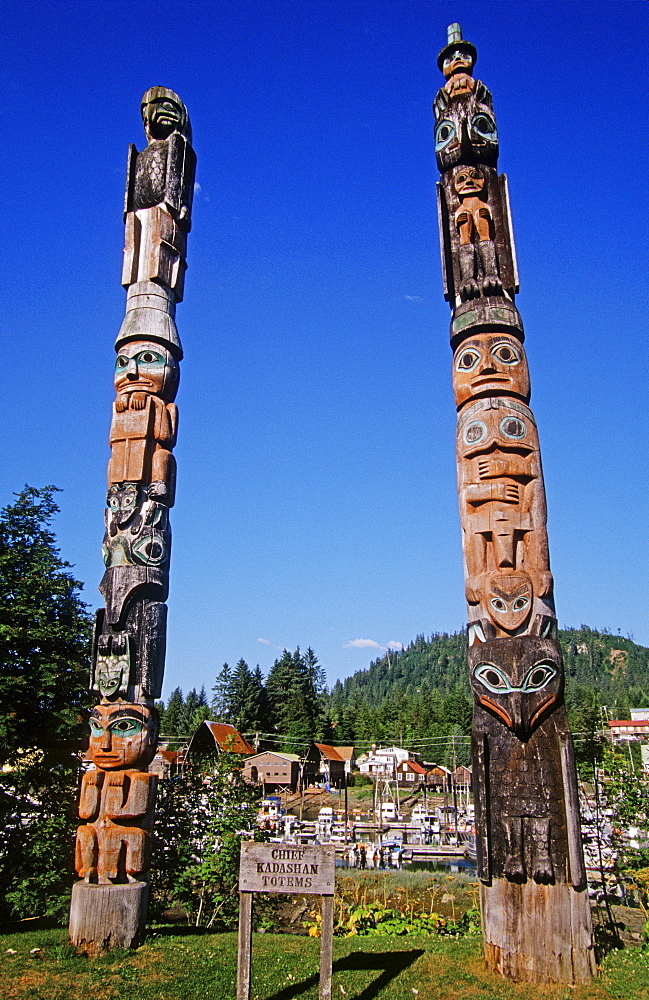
[(316, 496)]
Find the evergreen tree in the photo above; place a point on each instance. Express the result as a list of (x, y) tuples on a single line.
[(44, 635), (44, 658), (172, 722), (221, 694)]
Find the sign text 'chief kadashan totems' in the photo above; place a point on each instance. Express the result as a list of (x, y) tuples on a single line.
[(535, 908), (117, 799)]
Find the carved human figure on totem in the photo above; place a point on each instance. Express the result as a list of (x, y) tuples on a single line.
[(474, 224), (159, 194), (490, 363), (117, 799), (503, 515), (522, 760), (145, 420), (456, 63)]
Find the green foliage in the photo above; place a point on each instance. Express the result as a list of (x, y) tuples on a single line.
[(373, 919), (44, 650), (44, 635), (200, 822)]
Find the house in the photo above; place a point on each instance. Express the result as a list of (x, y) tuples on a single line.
[(347, 754), (215, 738), (628, 729), (439, 777), (462, 776), (165, 763), (384, 761), (411, 774), (324, 763), (273, 770)]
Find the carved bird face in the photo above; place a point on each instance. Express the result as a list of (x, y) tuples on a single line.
[(122, 500), (122, 736), (465, 129), (490, 363), (518, 680)]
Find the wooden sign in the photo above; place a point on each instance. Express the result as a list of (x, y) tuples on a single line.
[(286, 868)]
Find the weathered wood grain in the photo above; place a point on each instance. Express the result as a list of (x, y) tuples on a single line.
[(244, 963), (108, 916), (287, 868)]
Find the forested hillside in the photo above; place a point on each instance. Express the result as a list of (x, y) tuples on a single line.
[(418, 697)]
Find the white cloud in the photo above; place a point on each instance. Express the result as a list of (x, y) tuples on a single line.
[(414, 298), (395, 645), (266, 642), (197, 188), (363, 644)]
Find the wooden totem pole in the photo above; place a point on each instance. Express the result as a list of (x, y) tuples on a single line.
[(117, 801), (535, 908)]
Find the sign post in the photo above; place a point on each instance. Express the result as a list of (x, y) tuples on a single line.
[(286, 868)]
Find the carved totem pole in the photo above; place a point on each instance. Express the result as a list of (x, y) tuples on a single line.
[(535, 909), (117, 798)]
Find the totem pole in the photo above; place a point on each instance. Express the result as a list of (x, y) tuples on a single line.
[(535, 909), (117, 800)]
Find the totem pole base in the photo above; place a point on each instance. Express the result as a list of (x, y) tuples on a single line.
[(537, 933), (103, 917)]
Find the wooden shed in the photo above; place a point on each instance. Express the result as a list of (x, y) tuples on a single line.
[(324, 763)]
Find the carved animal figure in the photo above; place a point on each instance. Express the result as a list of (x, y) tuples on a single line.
[(523, 754)]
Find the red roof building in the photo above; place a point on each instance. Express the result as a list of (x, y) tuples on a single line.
[(218, 737)]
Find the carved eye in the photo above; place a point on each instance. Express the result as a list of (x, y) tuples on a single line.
[(444, 133), (484, 126), (474, 432), (506, 354), (493, 678), (520, 603), (149, 550), (498, 604), (122, 361), (126, 727), (512, 427), (96, 729), (149, 358), (539, 676), (467, 360)]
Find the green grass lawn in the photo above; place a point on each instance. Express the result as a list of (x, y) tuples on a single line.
[(175, 966)]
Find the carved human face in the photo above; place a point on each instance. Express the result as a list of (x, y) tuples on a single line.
[(468, 181), (509, 600), (122, 736), (161, 117), (142, 366), (490, 364), (457, 62), (518, 680)]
